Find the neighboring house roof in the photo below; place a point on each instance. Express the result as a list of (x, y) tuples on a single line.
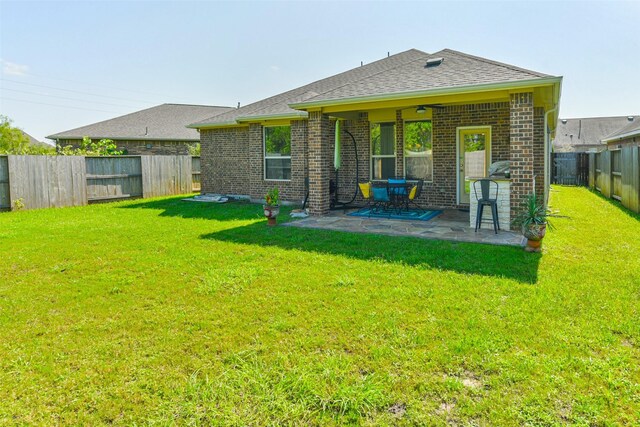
[(33, 141), (162, 122), (403, 73), (631, 129), (584, 133)]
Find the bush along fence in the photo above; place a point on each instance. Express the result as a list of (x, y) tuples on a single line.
[(616, 174), (32, 182)]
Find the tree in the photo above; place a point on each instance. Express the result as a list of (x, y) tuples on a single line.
[(104, 147), (194, 149), (14, 141)]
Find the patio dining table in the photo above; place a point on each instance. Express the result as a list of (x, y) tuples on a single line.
[(399, 195)]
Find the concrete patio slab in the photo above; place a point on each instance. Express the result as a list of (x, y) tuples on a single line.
[(451, 224)]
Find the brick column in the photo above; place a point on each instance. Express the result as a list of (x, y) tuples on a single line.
[(399, 144), (521, 149), (319, 149)]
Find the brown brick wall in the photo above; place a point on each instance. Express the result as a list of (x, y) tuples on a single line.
[(233, 158), (139, 148), (320, 162), (442, 191), (293, 190), (347, 175), (225, 161), (631, 141), (522, 149), (233, 162)]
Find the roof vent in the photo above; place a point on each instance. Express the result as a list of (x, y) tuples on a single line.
[(630, 118), (564, 121), (433, 62)]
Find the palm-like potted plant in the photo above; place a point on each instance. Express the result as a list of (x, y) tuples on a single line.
[(534, 220), (272, 205)]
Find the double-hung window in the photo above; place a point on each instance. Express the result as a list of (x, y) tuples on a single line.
[(277, 153), (418, 150), (383, 151)]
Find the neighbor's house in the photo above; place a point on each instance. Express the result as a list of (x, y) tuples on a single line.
[(626, 136), (33, 141), (587, 134), (450, 103), (157, 130)]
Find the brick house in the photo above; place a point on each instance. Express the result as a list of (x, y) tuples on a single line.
[(581, 135), (627, 136), (411, 114), (157, 130)]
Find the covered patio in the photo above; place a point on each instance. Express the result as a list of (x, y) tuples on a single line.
[(451, 224)]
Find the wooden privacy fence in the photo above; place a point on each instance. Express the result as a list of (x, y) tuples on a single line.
[(195, 172), (570, 168), (616, 174), (56, 181)]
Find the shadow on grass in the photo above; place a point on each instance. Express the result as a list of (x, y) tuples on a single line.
[(617, 204), (176, 207), (466, 258)]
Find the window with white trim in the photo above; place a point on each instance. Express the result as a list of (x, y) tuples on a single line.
[(418, 150), (277, 153), (383, 151)]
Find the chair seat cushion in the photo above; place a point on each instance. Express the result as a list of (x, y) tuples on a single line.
[(365, 189), (380, 194), (412, 193)]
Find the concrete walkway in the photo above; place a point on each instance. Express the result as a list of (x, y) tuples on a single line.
[(451, 224)]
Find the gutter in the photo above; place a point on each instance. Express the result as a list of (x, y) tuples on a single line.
[(431, 92), (295, 115), (547, 153), (121, 138), (547, 135)]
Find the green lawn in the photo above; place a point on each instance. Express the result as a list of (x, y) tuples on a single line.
[(165, 312)]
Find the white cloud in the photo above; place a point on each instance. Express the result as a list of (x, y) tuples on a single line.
[(274, 68), (13, 69)]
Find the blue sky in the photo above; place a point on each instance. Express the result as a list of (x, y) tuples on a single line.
[(90, 61)]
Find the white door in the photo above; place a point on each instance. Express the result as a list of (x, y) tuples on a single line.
[(474, 158)]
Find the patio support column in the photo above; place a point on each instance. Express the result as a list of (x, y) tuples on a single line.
[(319, 163), (399, 143), (521, 149)]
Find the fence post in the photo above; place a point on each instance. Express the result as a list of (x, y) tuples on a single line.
[(592, 170)]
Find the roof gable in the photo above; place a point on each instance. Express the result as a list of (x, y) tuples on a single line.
[(401, 73), (279, 104)]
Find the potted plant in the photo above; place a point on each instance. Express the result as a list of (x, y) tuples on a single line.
[(534, 220), (272, 206)]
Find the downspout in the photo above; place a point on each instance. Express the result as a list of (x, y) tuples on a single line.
[(547, 154)]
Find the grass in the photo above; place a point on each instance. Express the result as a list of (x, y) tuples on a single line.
[(161, 312)]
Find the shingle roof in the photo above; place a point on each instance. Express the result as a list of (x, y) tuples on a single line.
[(162, 122), (631, 129), (401, 73), (586, 132)]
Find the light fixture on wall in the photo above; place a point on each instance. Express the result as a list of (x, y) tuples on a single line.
[(421, 109), (149, 146)]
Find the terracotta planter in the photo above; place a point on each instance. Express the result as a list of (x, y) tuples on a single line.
[(271, 212), (534, 234)]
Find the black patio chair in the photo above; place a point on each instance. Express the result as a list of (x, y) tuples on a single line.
[(367, 195), (485, 199), (380, 197)]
